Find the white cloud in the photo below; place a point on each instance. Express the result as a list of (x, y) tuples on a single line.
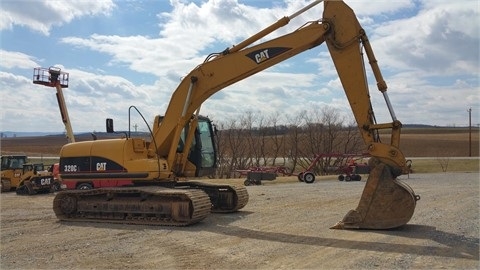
[(41, 16), (433, 43), (25, 108), (16, 60), (384, 7), (427, 50), (143, 54)]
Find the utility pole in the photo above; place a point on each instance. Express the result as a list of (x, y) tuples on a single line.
[(469, 132)]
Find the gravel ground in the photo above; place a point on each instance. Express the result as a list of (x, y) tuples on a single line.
[(284, 226)]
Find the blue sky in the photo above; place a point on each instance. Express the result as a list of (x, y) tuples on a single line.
[(128, 52)]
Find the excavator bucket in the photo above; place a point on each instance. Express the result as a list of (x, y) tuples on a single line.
[(386, 203)]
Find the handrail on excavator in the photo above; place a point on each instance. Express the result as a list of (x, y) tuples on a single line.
[(280, 23)]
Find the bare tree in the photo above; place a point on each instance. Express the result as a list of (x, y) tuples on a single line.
[(222, 156), (352, 141), (232, 139), (276, 139), (253, 141), (325, 136), (443, 161), (293, 140)]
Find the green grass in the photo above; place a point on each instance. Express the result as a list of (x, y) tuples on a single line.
[(45, 160), (433, 165), (445, 165)]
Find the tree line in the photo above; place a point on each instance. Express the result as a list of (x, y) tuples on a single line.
[(255, 140)]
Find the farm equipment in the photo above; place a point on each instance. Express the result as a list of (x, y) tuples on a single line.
[(350, 173), (255, 175), (182, 143), (55, 170), (351, 169), (35, 180), (12, 170), (343, 164)]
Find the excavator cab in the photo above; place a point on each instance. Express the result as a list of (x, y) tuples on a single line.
[(202, 154), (202, 151)]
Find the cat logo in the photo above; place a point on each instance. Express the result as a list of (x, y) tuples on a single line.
[(101, 166), (262, 55)]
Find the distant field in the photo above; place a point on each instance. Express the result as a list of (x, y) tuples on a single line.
[(414, 142), (441, 146), (438, 142), (445, 164)]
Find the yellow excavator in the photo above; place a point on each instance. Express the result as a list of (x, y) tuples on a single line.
[(182, 144)]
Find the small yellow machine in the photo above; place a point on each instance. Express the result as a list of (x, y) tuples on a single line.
[(12, 170), (35, 180)]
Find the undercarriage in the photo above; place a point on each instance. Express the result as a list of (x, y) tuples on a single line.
[(187, 203)]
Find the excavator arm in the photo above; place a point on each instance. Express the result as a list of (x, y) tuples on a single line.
[(223, 70), (345, 38), (386, 202)]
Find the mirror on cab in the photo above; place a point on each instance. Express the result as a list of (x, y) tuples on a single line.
[(109, 125)]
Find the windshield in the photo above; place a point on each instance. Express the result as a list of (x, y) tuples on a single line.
[(12, 162), (208, 151)]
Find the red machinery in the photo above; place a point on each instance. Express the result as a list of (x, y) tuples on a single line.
[(348, 166), (345, 165)]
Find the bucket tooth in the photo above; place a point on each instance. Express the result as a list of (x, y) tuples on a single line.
[(386, 203)]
